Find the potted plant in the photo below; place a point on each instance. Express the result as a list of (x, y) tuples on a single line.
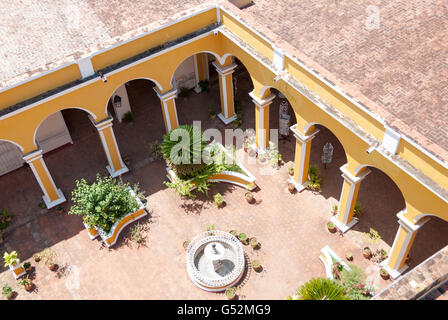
[(127, 161), (234, 233), (185, 244), (231, 293), (249, 197), (334, 209), (291, 187), (291, 171), (7, 292), (254, 243), (41, 205), (243, 238), (218, 200), (256, 265), (36, 257), (349, 256), (48, 255), (331, 227), (367, 253), (59, 209), (384, 274), (213, 114), (383, 254), (27, 284), (27, 266), (245, 146)]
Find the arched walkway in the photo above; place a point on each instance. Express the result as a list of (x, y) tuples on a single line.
[(135, 137)]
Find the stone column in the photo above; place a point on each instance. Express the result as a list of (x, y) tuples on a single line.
[(395, 264), (227, 114), (116, 166), (344, 219), (168, 102), (302, 158), (262, 120), (52, 195), (201, 71)]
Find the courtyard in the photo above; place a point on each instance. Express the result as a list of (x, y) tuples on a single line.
[(291, 227)]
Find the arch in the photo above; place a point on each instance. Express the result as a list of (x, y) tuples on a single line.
[(42, 121), (420, 218), (14, 143), (195, 53), (159, 86)]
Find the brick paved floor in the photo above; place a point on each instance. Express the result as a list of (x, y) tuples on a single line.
[(290, 227)]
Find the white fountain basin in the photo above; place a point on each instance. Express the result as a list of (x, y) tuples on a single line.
[(213, 270)]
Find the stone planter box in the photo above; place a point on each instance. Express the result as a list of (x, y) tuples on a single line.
[(111, 238), (246, 180), (327, 256)]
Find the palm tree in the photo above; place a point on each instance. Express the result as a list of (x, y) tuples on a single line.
[(322, 289)]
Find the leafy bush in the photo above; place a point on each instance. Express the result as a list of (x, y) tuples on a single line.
[(104, 202), (353, 282), (128, 117), (315, 178), (204, 84), (322, 289), (11, 259)]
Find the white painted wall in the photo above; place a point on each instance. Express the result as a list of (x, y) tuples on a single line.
[(125, 105), (53, 133), (10, 157), (185, 74)]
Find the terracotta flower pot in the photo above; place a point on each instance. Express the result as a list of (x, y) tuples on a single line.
[(249, 197), (291, 187), (384, 275), (331, 228), (52, 266), (367, 253), (29, 286), (10, 295)]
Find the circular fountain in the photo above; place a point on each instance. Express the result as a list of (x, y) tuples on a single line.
[(215, 260)]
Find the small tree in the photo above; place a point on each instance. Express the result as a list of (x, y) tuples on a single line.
[(104, 202)]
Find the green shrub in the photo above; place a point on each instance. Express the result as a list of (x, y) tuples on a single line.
[(322, 289), (184, 92), (204, 84), (104, 202), (128, 117)]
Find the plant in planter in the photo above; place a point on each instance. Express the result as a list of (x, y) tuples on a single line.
[(245, 146), (334, 209), (367, 253), (249, 197), (256, 265), (41, 205), (243, 238), (11, 259), (233, 233), (185, 244), (204, 85), (26, 283), (128, 117), (331, 227), (210, 229), (213, 114), (27, 266), (59, 209), (104, 202), (349, 256), (231, 293), (373, 236), (36, 257), (219, 201), (291, 187), (384, 274), (184, 92), (315, 180), (156, 150), (254, 243), (383, 254), (291, 171), (357, 210), (49, 256), (7, 292)]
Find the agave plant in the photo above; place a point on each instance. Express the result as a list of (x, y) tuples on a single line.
[(322, 289)]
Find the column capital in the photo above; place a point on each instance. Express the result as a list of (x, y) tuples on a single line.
[(33, 155), (407, 224), (102, 124), (165, 96), (352, 179), (300, 136), (226, 70), (261, 103)]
